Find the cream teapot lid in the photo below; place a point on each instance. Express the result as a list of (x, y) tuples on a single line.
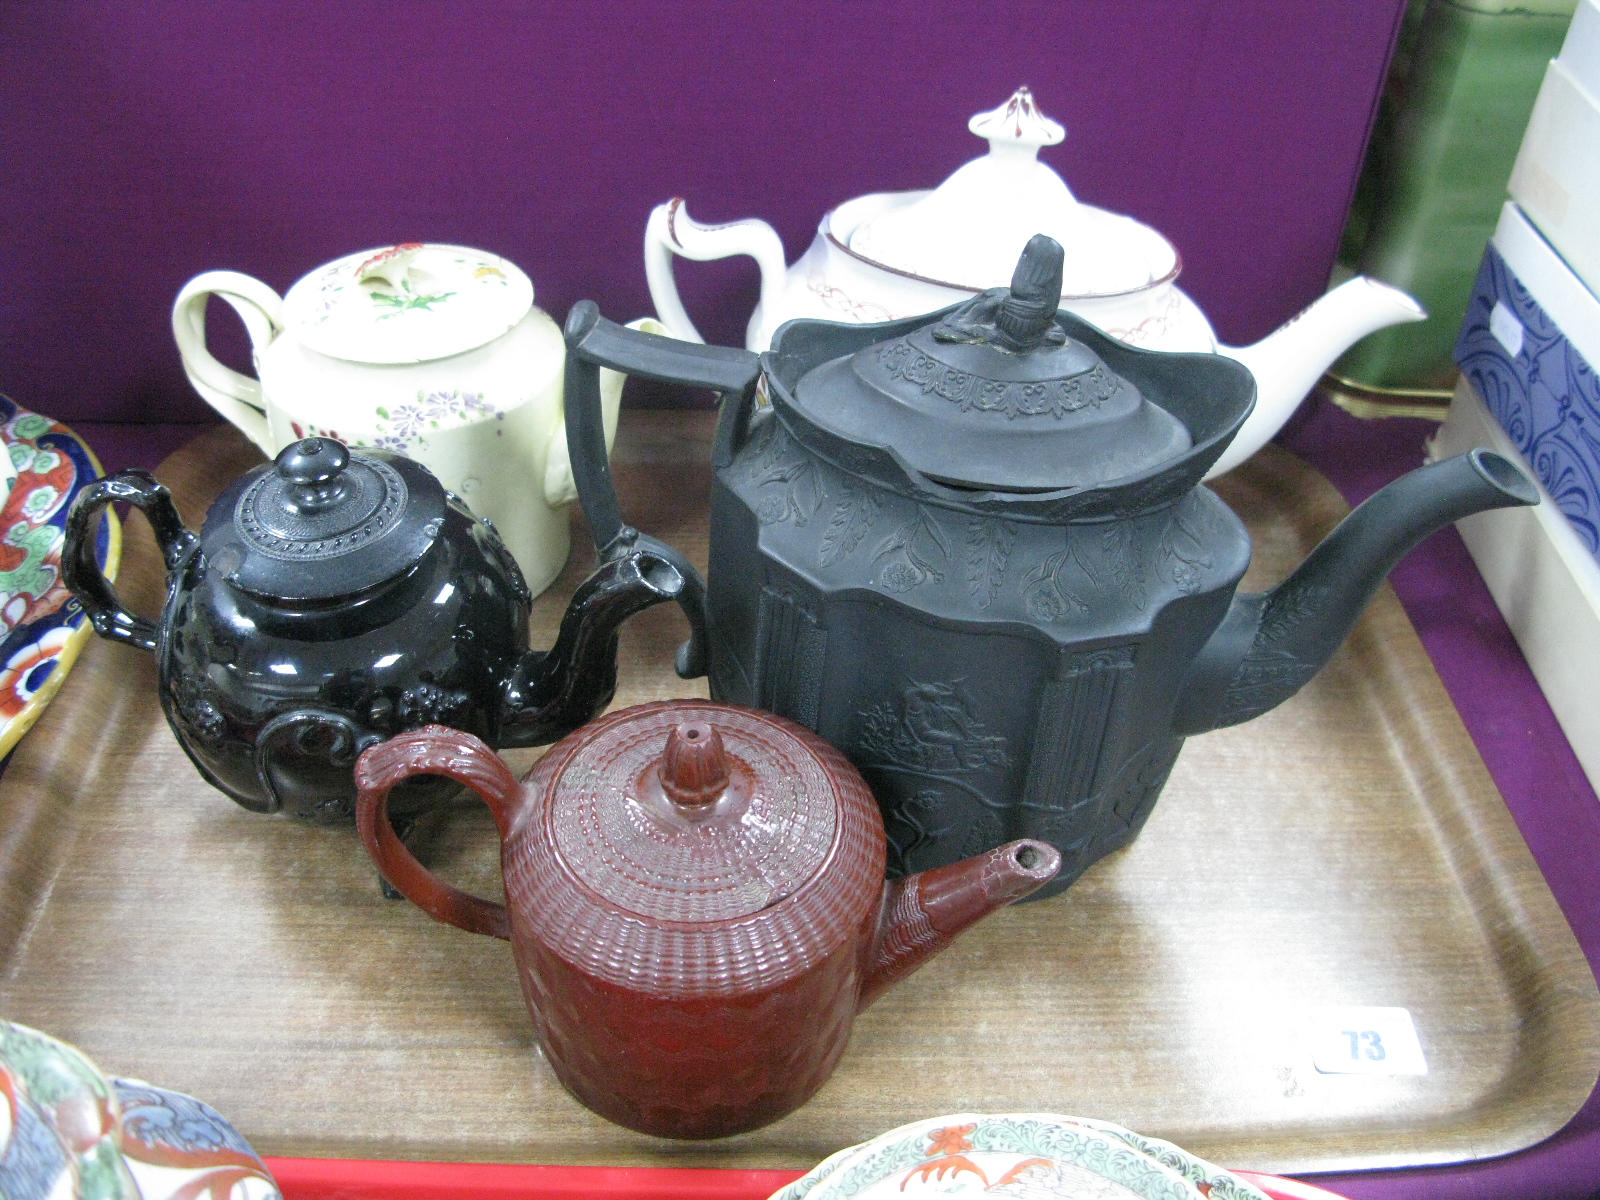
[(970, 230), (409, 303)]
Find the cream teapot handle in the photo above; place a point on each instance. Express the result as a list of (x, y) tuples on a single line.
[(559, 486), (237, 397), (670, 231)]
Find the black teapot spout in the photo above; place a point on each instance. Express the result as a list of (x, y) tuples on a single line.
[(551, 693), (1271, 643)]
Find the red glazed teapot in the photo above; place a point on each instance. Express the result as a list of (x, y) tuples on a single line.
[(695, 898)]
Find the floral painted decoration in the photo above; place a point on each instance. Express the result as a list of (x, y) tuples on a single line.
[(1029, 1156), (60, 1123), (391, 267), (405, 300), (404, 428), (69, 1133), (41, 625)]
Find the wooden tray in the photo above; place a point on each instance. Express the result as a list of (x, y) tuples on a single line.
[(1348, 848)]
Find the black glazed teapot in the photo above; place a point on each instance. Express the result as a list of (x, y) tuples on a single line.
[(972, 550), (334, 598)]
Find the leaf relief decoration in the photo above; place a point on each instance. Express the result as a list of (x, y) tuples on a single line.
[(1124, 561), (853, 516), (1183, 553), (989, 545), (1288, 607), (1044, 594), (765, 448)]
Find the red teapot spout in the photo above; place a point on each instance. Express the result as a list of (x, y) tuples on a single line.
[(922, 914)]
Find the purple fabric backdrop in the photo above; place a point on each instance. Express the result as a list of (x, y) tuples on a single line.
[(146, 142)]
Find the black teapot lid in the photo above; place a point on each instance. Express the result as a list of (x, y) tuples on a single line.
[(996, 396), (322, 522)]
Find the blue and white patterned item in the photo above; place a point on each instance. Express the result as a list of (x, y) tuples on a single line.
[(1541, 390), (69, 1133)]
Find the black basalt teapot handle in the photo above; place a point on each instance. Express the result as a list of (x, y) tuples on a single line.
[(81, 572), (594, 342)]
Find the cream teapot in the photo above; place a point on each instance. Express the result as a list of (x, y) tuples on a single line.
[(434, 351), (891, 255)]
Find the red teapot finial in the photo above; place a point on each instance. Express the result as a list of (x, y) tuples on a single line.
[(694, 765)]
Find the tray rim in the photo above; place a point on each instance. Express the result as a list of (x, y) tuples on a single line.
[(392, 1179)]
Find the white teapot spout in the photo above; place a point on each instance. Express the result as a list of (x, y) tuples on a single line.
[(1288, 363)]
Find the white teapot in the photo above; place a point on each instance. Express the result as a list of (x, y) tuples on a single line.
[(898, 254), (433, 351)]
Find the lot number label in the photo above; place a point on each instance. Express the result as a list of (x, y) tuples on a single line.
[(1365, 1041)]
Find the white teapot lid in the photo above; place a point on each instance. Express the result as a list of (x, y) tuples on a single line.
[(970, 230), (409, 303)]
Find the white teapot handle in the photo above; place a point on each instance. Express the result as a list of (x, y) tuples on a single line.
[(559, 486), (237, 397), (671, 231)]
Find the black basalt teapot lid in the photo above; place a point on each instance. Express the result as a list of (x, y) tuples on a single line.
[(996, 396), (322, 522)]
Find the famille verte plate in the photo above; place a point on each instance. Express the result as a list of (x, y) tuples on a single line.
[(1018, 1155), (42, 628), (69, 1133)]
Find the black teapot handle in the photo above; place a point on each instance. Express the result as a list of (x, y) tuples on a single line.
[(81, 572), (594, 342)]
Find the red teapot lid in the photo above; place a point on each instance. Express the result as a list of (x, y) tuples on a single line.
[(690, 811)]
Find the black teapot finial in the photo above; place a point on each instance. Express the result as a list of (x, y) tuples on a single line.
[(1020, 318), (313, 468), (1028, 314)]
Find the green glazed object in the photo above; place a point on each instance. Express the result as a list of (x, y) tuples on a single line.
[(1460, 92)]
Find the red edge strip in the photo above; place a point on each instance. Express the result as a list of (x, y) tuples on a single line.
[(361, 1179)]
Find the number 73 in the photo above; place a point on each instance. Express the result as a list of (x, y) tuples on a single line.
[(1368, 1039)]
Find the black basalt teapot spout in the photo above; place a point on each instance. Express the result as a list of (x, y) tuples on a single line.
[(1270, 644)]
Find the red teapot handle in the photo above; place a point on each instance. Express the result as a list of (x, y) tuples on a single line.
[(434, 750)]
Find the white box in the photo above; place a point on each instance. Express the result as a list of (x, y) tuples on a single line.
[(1550, 281), (1543, 578), (1580, 53), (1556, 178)]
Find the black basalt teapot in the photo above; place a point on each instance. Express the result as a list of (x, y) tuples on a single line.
[(972, 550), (334, 598)]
